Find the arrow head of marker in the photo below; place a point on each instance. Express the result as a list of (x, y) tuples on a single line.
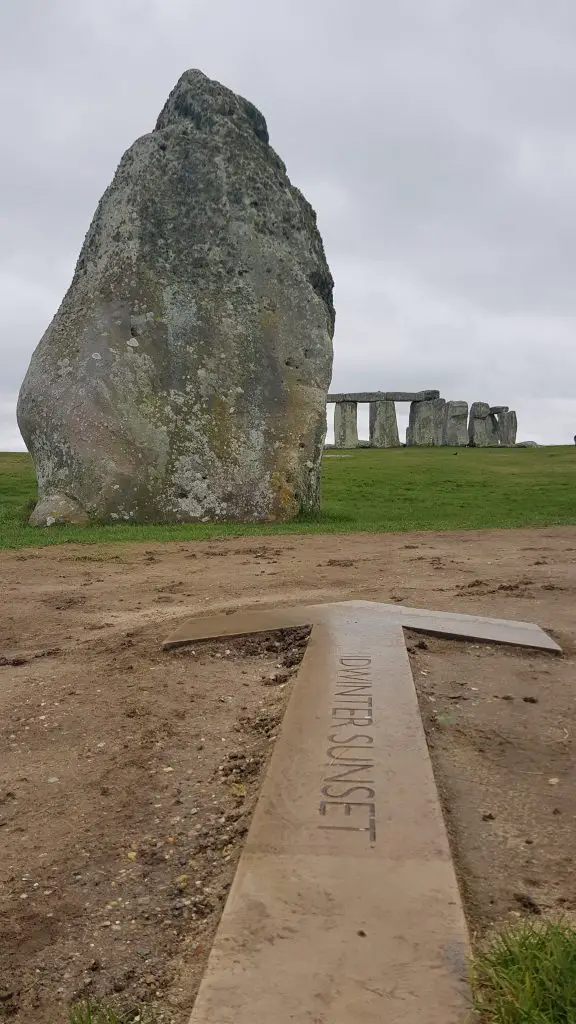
[(387, 617)]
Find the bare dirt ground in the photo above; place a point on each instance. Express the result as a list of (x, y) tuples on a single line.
[(128, 775)]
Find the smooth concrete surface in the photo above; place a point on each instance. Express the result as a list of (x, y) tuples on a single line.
[(476, 627), (451, 624), (345, 907)]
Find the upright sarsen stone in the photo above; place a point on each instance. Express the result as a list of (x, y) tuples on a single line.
[(346, 425), (455, 431), (507, 427), (426, 423), (383, 425), (185, 374), (482, 426)]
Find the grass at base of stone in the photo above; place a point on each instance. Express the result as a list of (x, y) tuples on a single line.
[(371, 491), (527, 975), (99, 1013)]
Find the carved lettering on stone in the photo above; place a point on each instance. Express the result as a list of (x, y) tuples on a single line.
[(347, 849)]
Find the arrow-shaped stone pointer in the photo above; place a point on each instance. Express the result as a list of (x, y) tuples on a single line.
[(345, 907)]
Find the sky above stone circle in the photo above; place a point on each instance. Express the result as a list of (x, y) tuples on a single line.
[(435, 138)]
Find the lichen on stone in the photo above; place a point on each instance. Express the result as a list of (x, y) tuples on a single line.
[(185, 375)]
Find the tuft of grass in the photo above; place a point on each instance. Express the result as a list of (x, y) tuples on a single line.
[(89, 1012), (373, 491), (527, 975)]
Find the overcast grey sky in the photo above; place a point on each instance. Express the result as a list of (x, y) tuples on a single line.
[(435, 138)]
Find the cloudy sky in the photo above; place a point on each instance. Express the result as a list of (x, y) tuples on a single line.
[(435, 138)]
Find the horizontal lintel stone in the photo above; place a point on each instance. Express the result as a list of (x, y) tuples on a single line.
[(384, 396)]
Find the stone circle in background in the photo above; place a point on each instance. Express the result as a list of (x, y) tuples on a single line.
[(433, 422)]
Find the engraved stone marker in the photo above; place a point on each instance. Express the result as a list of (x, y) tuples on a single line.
[(345, 907)]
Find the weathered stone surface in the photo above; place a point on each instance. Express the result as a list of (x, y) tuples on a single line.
[(426, 423), (507, 427), (346, 425), (527, 444), (455, 432), (499, 408), (482, 426), (185, 374), (58, 508), (383, 396), (383, 425)]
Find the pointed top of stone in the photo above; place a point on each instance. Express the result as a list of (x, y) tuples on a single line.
[(203, 102), (200, 218)]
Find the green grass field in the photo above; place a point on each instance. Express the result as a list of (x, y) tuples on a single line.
[(527, 975), (372, 491)]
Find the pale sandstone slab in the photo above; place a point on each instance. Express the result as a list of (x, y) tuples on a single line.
[(476, 627), (345, 907), (452, 624)]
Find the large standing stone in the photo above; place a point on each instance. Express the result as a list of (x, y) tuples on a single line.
[(346, 425), (426, 423), (507, 427), (383, 425), (185, 374), (482, 426), (455, 431)]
